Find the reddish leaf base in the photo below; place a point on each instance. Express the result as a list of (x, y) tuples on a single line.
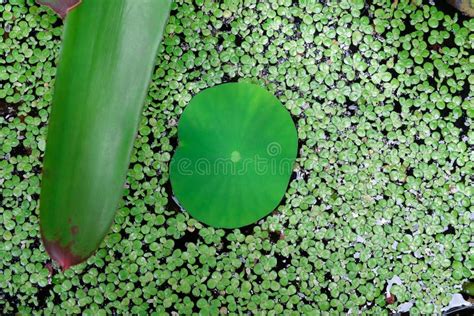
[(390, 298), (61, 254), (50, 268), (61, 7)]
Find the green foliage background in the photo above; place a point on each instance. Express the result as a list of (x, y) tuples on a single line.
[(383, 185)]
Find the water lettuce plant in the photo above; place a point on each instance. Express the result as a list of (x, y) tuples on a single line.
[(107, 57), (237, 149)]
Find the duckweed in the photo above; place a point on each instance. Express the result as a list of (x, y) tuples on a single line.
[(383, 184)]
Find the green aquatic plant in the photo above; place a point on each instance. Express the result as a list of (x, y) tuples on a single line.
[(236, 152), (390, 164), (108, 52), (468, 288)]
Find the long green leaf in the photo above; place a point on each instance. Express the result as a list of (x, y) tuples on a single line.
[(107, 58)]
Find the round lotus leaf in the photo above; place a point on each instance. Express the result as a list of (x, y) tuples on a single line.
[(237, 147)]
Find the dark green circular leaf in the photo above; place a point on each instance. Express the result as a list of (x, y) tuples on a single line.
[(237, 147)]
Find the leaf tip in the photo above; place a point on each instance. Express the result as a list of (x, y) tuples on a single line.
[(61, 7), (61, 254)]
